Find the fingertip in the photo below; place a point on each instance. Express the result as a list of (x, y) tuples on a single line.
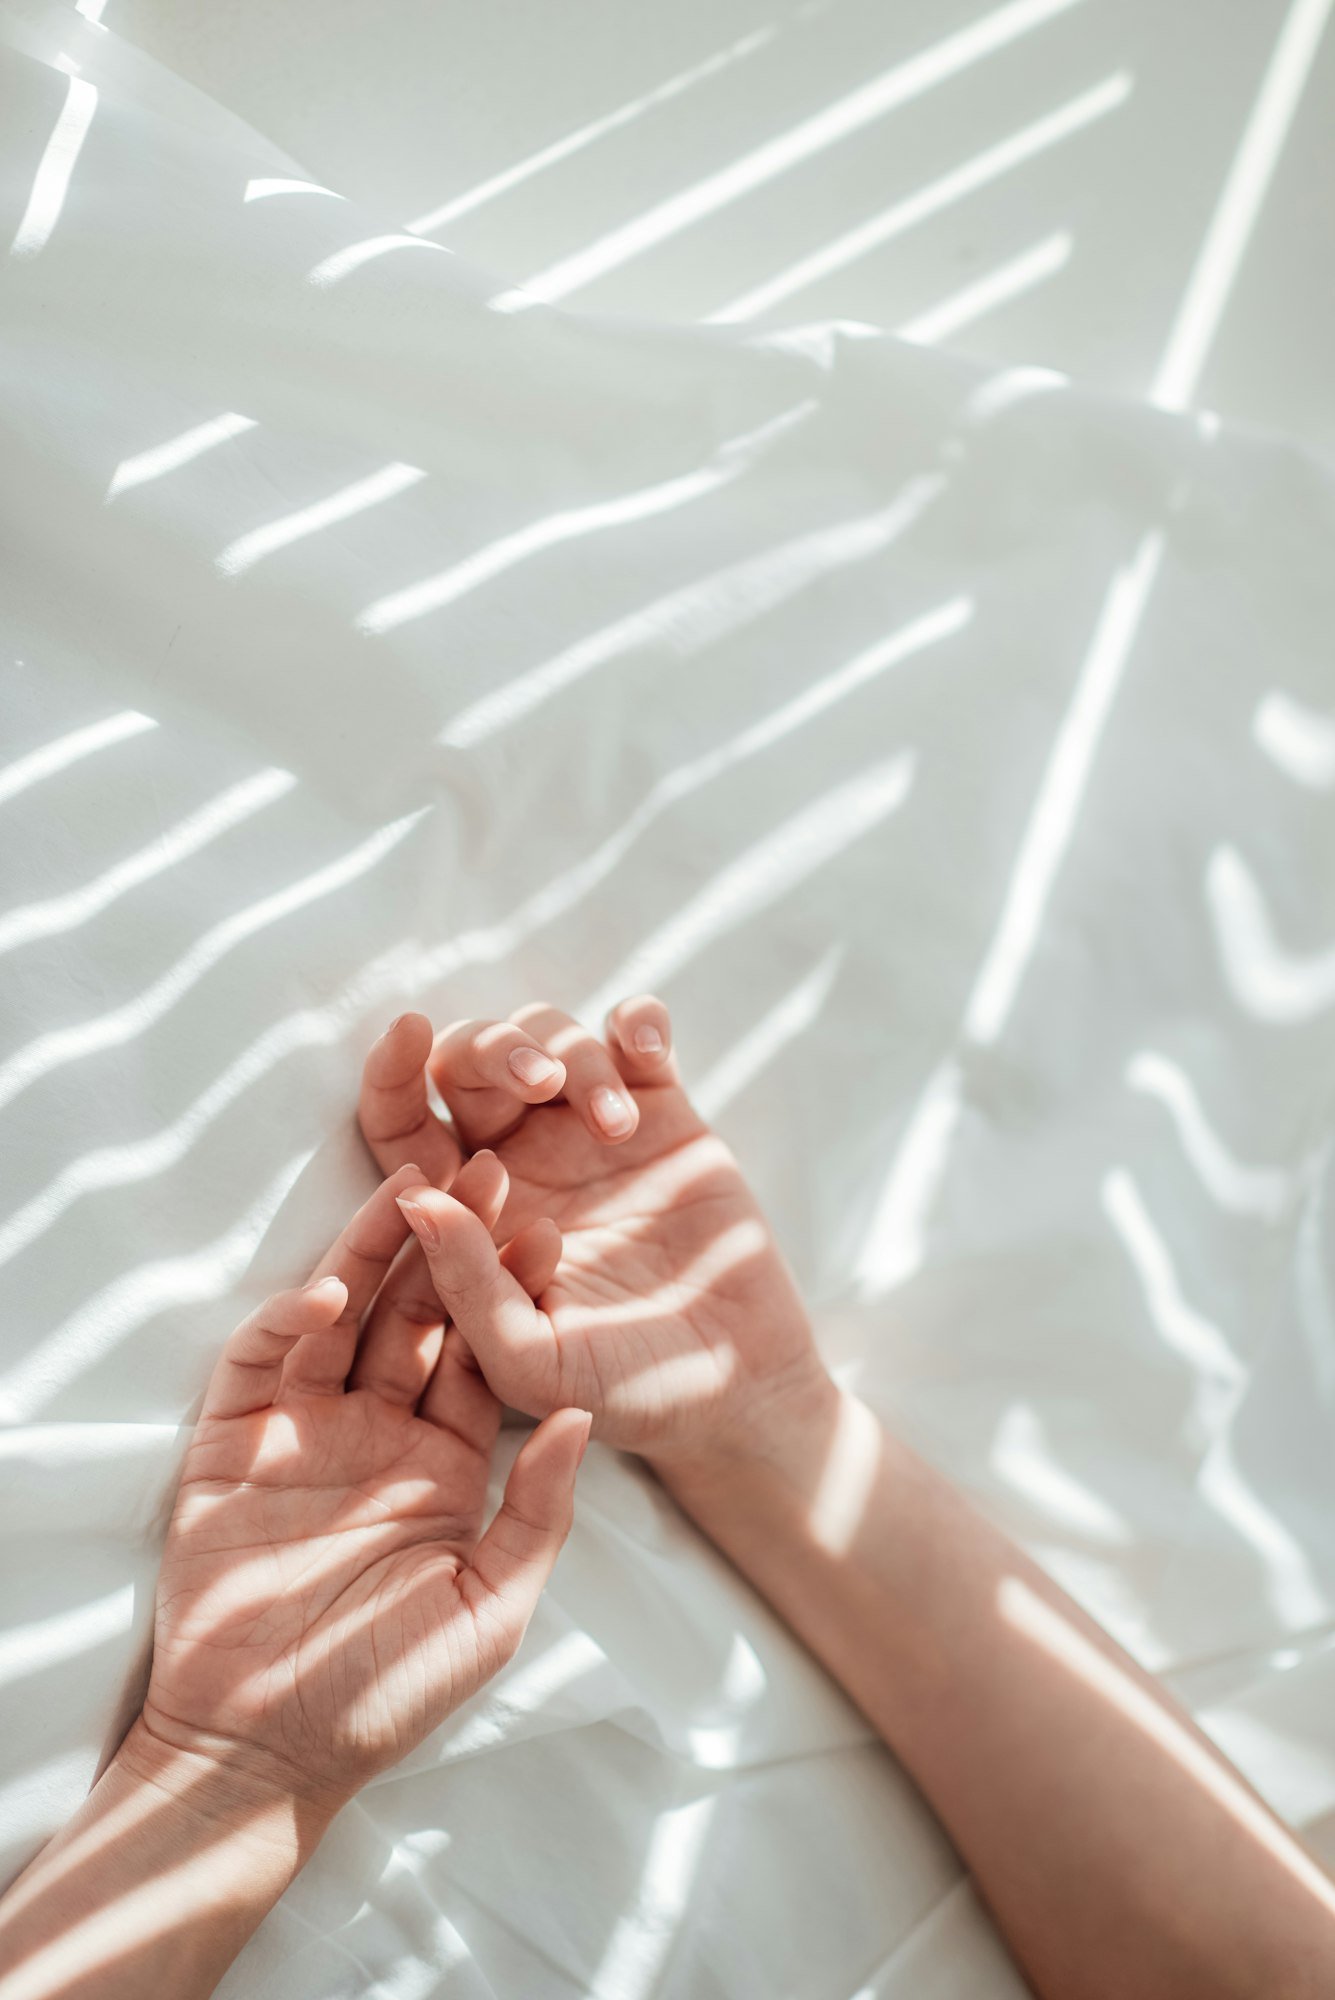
[(328, 1295), (535, 1072), (613, 1115)]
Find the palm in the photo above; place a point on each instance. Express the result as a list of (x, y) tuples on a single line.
[(312, 1572), (668, 1274)]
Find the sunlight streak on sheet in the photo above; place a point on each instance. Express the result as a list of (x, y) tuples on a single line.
[(42, 1643), (697, 615), (1245, 190), (146, 465), (59, 1046), (66, 750), (638, 1947), (51, 185), (753, 880), (1217, 1373), (78, 906), (1298, 740), (1269, 982), (728, 463), (1263, 1192), (738, 1067), (1290, 1582), (1022, 1458), (250, 548), (979, 172), (333, 269), (260, 190), (894, 1243), (101, 1322), (1009, 281), (804, 141), (585, 135)]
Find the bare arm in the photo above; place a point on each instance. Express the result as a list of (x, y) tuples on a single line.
[(1123, 1858), (1119, 1852)]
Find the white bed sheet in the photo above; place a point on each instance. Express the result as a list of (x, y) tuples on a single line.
[(954, 749)]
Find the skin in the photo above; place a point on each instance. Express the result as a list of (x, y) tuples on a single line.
[(1119, 1852), (327, 1597)]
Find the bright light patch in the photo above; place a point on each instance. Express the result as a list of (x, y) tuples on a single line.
[(847, 1478), (177, 451), (1263, 1192), (860, 108), (71, 749), (1009, 281), (333, 269), (1298, 741), (979, 172), (1270, 983), (58, 162), (261, 190), (248, 549), (586, 135)]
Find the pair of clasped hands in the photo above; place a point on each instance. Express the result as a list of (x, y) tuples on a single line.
[(572, 1242)]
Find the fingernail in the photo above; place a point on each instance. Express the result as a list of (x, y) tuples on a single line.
[(588, 1419), (326, 1288), (612, 1112), (648, 1041), (532, 1066), (422, 1225)]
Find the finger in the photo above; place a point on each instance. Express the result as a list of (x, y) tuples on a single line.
[(397, 1122), (515, 1557), (593, 1085), (482, 1185), (401, 1341), (512, 1340), (457, 1399), (250, 1366), (361, 1256), (639, 1037), (533, 1255), (488, 1072)]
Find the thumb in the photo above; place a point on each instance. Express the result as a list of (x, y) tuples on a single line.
[(489, 1306), (515, 1557)]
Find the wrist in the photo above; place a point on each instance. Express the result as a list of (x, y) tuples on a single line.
[(232, 1791), (780, 1436)]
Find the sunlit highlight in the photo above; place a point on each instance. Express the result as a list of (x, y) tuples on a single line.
[(900, 85), (1290, 1582), (1197, 1341), (53, 1050), (848, 1478), (1025, 1611), (586, 135), (1239, 205), (894, 1244), (1298, 740), (737, 1069), (638, 1947), (755, 879), (187, 837), (1009, 281), (570, 524), (1266, 981), (105, 1319), (928, 201), (51, 185), (341, 264), (1264, 1192), (250, 548), (177, 451), (686, 621), (67, 750), (1022, 1458), (262, 189), (42, 1643)]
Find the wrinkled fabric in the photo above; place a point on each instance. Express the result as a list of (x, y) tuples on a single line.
[(952, 749)]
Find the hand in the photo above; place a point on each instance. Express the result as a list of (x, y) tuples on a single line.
[(326, 1595), (638, 1278)]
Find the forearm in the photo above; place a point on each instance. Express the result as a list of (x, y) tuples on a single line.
[(1118, 1851), (155, 1884)]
